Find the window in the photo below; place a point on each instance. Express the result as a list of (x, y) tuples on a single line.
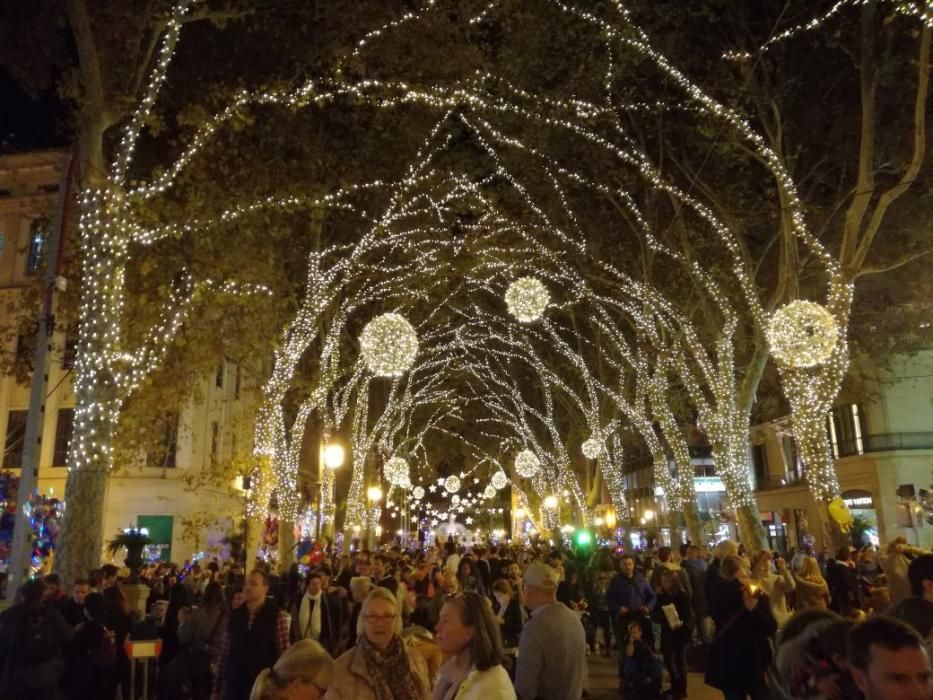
[(236, 386), (215, 440), (219, 379), (846, 426), (791, 457), (70, 351), (35, 254), (760, 461), (163, 456), (15, 437), (2, 242), (63, 429), (24, 348)]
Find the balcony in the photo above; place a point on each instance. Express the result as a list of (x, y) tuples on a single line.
[(886, 442), (773, 482)]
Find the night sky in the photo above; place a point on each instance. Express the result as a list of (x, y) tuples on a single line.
[(28, 123)]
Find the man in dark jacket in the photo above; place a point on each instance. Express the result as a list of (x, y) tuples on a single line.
[(257, 635), (695, 566), (629, 599), (917, 610), (845, 591)]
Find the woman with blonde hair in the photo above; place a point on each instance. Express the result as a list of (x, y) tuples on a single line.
[(812, 590), (381, 666), (303, 672)]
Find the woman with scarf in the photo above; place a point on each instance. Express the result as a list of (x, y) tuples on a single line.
[(380, 666), (468, 634)]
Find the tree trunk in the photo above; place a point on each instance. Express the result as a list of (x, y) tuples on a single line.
[(81, 539), (286, 545), (692, 521), (751, 531)]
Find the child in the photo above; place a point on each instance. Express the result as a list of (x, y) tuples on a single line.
[(641, 669)]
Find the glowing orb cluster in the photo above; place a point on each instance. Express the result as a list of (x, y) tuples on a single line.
[(527, 298), (499, 480), (802, 334), (527, 464), (591, 447), (418, 492), (452, 484), (489, 492), (455, 499), (396, 472), (389, 345)]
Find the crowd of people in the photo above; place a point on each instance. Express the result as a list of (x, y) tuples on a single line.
[(488, 623)]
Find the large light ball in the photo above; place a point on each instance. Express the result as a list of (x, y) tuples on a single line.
[(499, 480), (418, 492), (802, 334), (527, 298), (395, 471), (591, 448), (489, 492), (452, 484), (527, 464), (389, 345)]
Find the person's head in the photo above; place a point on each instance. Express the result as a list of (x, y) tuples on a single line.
[(95, 607), (887, 659), (236, 600), (467, 623), (670, 582), (32, 592), (313, 584), (363, 567), (733, 568), (449, 583), (555, 560), (95, 578), (634, 631), (213, 596), (502, 587), (303, 672), (693, 552), (810, 569), (379, 617), (844, 554), (79, 591), (627, 565), (256, 588), (540, 585), (116, 601), (360, 587), (378, 568), (325, 573), (726, 548), (761, 561), (466, 567), (920, 574), (665, 554), (53, 586), (514, 571), (110, 575)]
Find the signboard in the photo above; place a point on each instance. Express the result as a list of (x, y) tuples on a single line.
[(858, 499), (160, 532)]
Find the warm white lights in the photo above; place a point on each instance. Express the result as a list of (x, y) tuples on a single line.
[(527, 464), (591, 448), (802, 334), (489, 492), (499, 480), (389, 345), (418, 493), (374, 494), (396, 472), (551, 502), (452, 484), (527, 298), (333, 456)]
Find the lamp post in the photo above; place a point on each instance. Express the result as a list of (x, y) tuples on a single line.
[(373, 495), (332, 458)]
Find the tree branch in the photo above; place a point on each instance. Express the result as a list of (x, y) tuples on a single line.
[(894, 264)]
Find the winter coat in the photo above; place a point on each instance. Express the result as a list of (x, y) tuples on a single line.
[(696, 572), (351, 678), (631, 593), (811, 595)]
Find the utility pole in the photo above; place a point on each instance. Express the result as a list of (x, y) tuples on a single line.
[(21, 554)]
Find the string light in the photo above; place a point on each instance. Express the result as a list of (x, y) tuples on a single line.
[(389, 345), (396, 471), (591, 448), (527, 464), (452, 484), (802, 334), (527, 299), (499, 480)]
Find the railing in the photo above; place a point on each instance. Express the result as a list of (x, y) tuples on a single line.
[(772, 482), (886, 442)]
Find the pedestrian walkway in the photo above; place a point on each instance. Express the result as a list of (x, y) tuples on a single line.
[(604, 682)]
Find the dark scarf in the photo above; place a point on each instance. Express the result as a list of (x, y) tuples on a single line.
[(390, 672)]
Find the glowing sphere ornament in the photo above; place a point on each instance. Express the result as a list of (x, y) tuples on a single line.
[(489, 492), (455, 499), (527, 298), (395, 471), (389, 345), (418, 492), (590, 448), (527, 464), (802, 334), (452, 484), (499, 480), (404, 482)]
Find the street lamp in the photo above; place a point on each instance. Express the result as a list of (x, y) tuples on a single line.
[(649, 515), (333, 456), (551, 502), (610, 519), (374, 494)]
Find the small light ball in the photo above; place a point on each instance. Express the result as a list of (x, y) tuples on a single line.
[(527, 464), (489, 492), (455, 499), (418, 492), (452, 484), (389, 345), (499, 480), (526, 299), (395, 471), (802, 334), (591, 448), (404, 482)]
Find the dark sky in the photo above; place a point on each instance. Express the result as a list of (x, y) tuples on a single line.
[(27, 123)]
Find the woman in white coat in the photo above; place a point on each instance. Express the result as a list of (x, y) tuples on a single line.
[(468, 634)]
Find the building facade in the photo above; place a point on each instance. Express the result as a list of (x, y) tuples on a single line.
[(153, 492)]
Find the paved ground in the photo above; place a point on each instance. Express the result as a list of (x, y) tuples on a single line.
[(604, 682)]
